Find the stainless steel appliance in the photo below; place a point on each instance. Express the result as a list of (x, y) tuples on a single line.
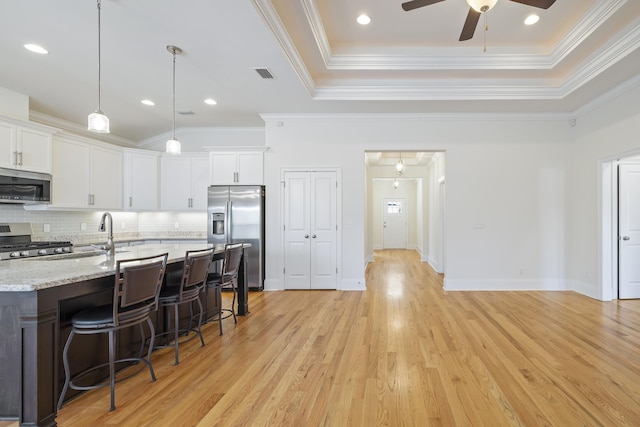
[(15, 242), (236, 214), (18, 186)]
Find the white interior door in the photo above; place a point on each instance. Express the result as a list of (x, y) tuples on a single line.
[(310, 232), (323, 230), (297, 247), (394, 223), (629, 231)]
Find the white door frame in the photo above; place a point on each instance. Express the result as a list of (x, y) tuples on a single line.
[(338, 172)]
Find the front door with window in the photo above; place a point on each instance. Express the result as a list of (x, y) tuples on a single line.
[(394, 223)]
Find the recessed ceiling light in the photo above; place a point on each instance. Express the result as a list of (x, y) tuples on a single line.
[(531, 19), (148, 102), (36, 48), (210, 101), (363, 19)]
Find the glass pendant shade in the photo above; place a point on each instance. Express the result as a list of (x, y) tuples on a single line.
[(98, 122), (173, 146), (482, 5), (400, 166), (396, 183)]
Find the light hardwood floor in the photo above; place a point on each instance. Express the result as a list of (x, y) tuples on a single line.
[(403, 353)]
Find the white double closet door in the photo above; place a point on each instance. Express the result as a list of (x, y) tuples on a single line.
[(310, 229)]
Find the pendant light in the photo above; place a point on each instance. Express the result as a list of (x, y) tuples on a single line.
[(396, 183), (400, 165), (97, 121), (173, 145)]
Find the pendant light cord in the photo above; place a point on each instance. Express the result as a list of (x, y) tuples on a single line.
[(99, 55), (174, 94)]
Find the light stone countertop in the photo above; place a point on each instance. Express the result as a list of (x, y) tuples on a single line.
[(32, 274)]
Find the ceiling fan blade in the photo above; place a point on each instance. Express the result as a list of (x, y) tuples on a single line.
[(542, 4), (415, 4), (470, 25)]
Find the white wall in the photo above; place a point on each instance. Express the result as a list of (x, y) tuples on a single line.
[(603, 135), (506, 175)]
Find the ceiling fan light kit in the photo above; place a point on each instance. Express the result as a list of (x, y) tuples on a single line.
[(481, 5)]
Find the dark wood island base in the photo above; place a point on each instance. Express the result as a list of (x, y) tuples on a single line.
[(35, 324)]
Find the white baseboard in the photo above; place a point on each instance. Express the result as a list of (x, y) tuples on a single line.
[(352, 285), (505, 285)]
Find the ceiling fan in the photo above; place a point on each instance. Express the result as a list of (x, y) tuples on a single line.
[(476, 8)]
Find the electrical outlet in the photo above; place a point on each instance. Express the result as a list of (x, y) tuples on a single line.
[(176, 225), (83, 226), (47, 228)]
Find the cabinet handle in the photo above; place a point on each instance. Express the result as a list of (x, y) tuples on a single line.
[(15, 158), (130, 201), (313, 236), (92, 199), (235, 177), (20, 157), (189, 202)]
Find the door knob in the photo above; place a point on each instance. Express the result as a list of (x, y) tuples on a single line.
[(306, 236), (313, 235)]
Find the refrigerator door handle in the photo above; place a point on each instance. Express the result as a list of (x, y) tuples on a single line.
[(227, 220)]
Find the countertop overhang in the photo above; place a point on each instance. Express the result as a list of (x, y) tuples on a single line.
[(33, 274)]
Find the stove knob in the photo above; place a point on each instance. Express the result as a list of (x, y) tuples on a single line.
[(24, 253), (42, 252), (58, 250), (14, 254)]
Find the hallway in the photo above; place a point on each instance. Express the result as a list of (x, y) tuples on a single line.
[(404, 352)]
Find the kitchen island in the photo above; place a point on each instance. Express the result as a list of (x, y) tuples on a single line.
[(38, 297)]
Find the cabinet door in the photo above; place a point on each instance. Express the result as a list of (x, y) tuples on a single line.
[(34, 150), (175, 183), (140, 181), (106, 178), (223, 168), (7, 145), (250, 166), (71, 174), (199, 183)]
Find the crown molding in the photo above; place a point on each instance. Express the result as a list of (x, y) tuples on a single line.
[(441, 59), (272, 20), (412, 117)]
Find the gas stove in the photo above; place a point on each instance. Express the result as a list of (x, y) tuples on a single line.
[(15, 242)]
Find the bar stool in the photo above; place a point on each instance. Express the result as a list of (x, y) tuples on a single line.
[(186, 289), (136, 290), (227, 278)]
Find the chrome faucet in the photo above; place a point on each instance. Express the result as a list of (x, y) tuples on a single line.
[(109, 247)]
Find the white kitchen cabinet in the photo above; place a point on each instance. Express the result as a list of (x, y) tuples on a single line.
[(183, 181), (140, 180), (86, 175), (24, 148), (237, 168)]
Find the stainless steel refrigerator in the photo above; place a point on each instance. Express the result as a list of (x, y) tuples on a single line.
[(236, 214)]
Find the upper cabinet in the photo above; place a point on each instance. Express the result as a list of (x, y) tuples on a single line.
[(86, 175), (141, 175), (26, 148), (236, 168), (183, 181)]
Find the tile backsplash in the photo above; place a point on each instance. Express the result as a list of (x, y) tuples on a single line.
[(82, 226)]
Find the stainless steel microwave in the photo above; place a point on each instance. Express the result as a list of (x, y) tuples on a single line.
[(17, 186)]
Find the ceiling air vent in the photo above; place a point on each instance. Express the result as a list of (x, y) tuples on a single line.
[(264, 73)]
